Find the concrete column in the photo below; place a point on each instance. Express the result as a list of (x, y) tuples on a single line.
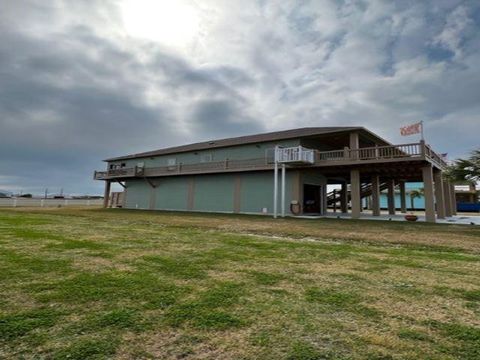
[(355, 193), (376, 195), (454, 199), (403, 199), (439, 194), (344, 198), (427, 175), (447, 198), (391, 196), (106, 194)]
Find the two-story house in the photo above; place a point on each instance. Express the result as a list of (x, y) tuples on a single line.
[(284, 172)]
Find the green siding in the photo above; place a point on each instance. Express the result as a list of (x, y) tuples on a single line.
[(240, 152), (214, 192), (313, 178), (171, 193), (257, 192), (138, 195)]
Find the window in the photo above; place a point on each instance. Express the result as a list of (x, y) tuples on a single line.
[(206, 158), (172, 162)]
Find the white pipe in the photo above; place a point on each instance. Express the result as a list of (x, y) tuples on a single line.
[(275, 188), (283, 190)]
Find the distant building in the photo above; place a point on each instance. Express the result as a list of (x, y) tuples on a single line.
[(5, 194), (236, 174)]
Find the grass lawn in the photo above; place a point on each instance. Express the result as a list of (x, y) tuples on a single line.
[(82, 284)]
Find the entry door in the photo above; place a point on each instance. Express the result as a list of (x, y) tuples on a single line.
[(311, 199), (314, 200)]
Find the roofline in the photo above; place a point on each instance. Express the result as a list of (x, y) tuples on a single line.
[(291, 134)]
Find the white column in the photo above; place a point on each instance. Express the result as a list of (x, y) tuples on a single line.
[(283, 190), (275, 188)]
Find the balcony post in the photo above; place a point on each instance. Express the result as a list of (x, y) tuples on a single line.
[(439, 198), (376, 195), (354, 144), (391, 196), (427, 175), (422, 149), (403, 200), (106, 194), (355, 193)]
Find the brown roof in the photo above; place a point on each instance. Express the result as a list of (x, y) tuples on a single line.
[(249, 139)]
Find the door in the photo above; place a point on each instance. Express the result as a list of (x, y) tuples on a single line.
[(311, 199)]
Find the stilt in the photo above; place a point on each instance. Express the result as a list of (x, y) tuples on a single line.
[(427, 175), (344, 198), (283, 190), (454, 199), (355, 193), (275, 188), (439, 194), (376, 195), (403, 200), (106, 194), (447, 198), (391, 196)]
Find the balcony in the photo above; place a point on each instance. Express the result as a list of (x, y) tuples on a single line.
[(307, 158)]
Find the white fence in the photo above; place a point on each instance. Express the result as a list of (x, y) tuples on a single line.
[(26, 202)]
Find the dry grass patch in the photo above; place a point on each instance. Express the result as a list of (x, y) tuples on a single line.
[(84, 284)]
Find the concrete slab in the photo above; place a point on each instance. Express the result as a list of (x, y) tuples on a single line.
[(472, 219)]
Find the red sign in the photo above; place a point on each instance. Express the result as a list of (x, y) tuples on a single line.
[(411, 129)]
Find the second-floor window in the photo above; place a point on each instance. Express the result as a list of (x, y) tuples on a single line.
[(206, 158)]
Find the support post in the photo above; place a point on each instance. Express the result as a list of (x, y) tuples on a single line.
[(283, 190), (106, 194), (391, 196), (439, 198), (427, 175), (454, 199), (403, 199), (334, 200), (344, 198), (354, 144), (275, 188), (355, 193), (376, 195), (447, 198)]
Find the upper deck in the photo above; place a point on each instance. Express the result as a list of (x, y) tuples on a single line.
[(413, 152)]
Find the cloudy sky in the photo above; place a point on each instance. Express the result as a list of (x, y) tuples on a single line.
[(81, 81)]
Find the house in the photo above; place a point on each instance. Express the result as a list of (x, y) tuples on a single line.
[(236, 175)]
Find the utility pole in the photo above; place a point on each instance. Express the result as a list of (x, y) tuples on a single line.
[(46, 192)]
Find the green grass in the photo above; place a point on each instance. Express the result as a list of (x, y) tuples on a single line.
[(101, 284)]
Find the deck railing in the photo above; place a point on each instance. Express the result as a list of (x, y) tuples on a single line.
[(415, 151)]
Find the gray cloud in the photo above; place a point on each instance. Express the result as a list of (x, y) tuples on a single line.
[(75, 87)]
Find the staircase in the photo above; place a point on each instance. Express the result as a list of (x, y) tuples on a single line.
[(365, 190)]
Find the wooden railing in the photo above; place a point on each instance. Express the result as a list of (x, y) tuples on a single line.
[(415, 151), (371, 153)]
